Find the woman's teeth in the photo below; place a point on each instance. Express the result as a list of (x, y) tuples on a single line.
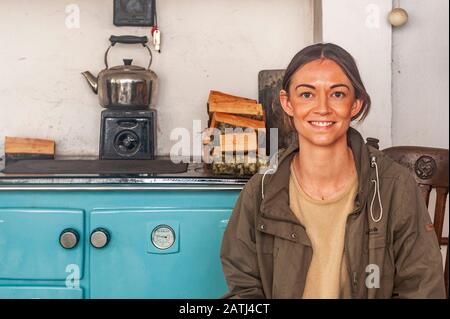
[(322, 123)]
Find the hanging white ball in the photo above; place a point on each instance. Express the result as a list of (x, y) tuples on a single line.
[(398, 17)]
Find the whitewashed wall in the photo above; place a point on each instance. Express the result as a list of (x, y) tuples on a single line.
[(207, 45), (361, 27), (420, 93), (420, 72)]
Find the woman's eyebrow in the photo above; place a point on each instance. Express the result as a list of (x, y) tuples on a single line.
[(339, 85), (331, 87), (306, 85)]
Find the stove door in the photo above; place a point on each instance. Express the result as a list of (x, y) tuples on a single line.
[(41, 244), (157, 253)]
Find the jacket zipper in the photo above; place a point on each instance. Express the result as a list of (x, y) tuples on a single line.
[(351, 275)]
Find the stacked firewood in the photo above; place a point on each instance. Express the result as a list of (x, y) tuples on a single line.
[(235, 137)]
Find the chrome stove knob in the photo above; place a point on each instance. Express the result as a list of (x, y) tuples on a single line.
[(69, 238), (100, 238)]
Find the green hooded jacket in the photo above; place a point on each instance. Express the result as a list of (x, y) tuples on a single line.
[(266, 252)]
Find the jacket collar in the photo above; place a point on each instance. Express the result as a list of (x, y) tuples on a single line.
[(275, 204)]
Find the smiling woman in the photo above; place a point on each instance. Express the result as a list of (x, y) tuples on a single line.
[(322, 93), (337, 218)]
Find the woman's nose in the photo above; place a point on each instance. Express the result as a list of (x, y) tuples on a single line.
[(322, 106)]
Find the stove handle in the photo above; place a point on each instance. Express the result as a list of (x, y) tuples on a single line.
[(69, 238), (100, 238)]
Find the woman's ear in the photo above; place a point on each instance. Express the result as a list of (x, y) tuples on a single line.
[(285, 103), (356, 107)]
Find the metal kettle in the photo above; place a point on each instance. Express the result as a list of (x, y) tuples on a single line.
[(125, 86)]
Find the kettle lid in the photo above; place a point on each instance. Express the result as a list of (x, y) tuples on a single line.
[(127, 66), (127, 61)]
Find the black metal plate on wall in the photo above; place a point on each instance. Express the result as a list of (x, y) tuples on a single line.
[(134, 12)]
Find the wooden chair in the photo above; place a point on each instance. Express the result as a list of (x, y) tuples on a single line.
[(429, 166)]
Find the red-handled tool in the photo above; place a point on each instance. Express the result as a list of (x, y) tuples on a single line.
[(156, 35)]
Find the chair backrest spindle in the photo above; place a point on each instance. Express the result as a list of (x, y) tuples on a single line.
[(429, 166)]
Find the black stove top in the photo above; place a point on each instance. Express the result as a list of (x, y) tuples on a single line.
[(95, 167)]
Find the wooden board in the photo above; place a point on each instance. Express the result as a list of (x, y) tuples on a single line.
[(18, 145), (216, 96), (236, 108), (238, 142), (235, 120)]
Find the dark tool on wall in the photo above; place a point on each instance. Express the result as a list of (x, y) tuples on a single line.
[(139, 13)]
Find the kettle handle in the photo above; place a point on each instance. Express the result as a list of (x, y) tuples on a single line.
[(128, 39)]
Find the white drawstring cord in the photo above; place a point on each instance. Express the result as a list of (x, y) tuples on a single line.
[(273, 170), (262, 181), (373, 163)]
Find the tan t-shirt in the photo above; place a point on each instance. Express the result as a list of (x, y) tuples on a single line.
[(325, 222)]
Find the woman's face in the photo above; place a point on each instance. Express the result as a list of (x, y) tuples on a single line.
[(322, 102)]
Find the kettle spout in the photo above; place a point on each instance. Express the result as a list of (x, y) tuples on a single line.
[(92, 80)]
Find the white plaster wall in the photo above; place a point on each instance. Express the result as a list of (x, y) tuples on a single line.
[(420, 91), (361, 27), (420, 75), (207, 44)]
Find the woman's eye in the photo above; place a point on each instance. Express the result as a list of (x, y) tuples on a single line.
[(306, 95), (339, 94)]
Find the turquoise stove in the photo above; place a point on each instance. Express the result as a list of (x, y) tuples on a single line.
[(96, 236)]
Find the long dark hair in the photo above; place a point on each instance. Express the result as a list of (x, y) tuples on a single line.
[(342, 58)]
